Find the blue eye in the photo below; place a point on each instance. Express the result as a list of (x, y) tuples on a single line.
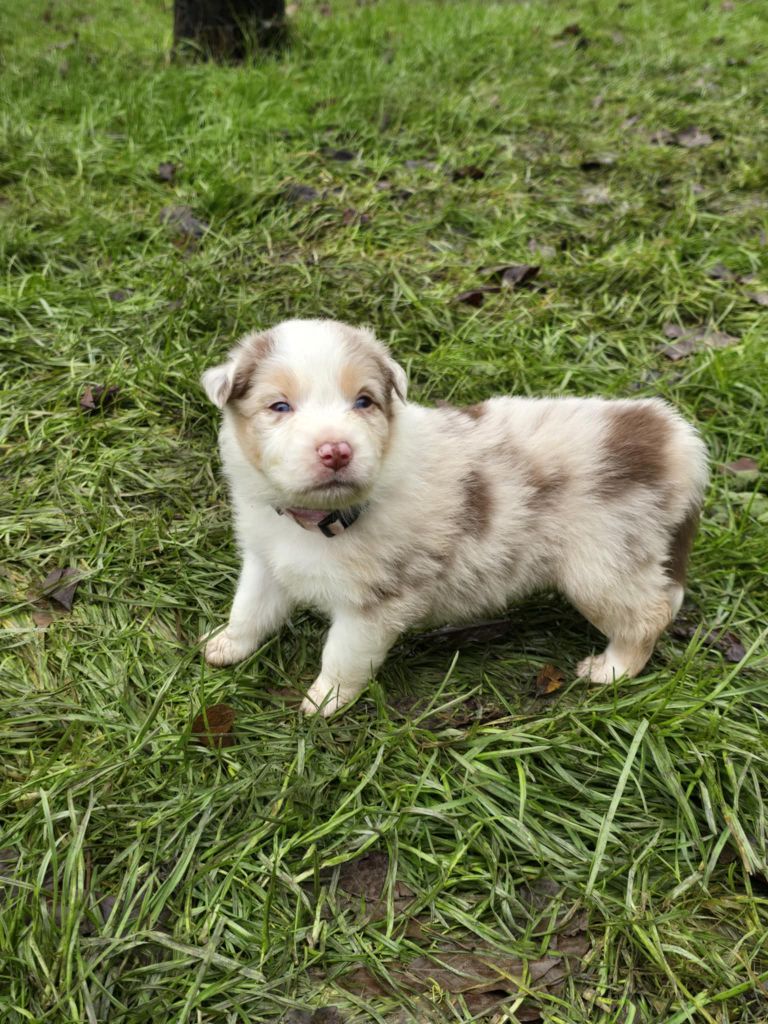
[(363, 402), (280, 407)]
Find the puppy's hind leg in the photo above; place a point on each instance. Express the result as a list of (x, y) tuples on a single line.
[(259, 608), (632, 613)]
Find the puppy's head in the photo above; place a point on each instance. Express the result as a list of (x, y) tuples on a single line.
[(312, 403)]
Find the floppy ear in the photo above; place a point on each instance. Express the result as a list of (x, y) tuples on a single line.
[(399, 379), (233, 378), (217, 382)]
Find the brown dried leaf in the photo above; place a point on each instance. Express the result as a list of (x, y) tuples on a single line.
[(54, 591), (341, 155), (692, 138), (549, 680), (412, 165), (719, 272), (761, 298), (166, 171), (476, 296), (469, 172), (693, 339), (42, 618), (213, 726), (352, 216), (97, 397), (364, 880), (183, 222), (519, 276), (547, 252), (296, 193), (743, 466), (598, 161), (120, 294), (722, 640), (458, 972)]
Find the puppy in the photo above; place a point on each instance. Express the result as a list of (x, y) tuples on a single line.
[(383, 514)]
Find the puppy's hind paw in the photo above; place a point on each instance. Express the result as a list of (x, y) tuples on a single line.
[(225, 648)]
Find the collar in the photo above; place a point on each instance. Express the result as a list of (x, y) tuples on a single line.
[(330, 524)]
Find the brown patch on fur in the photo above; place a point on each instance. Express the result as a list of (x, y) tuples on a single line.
[(253, 352), (281, 381), (473, 412), (680, 544), (546, 487), (477, 502), (368, 357), (635, 443), (247, 443)]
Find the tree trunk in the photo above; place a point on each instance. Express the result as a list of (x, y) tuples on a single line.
[(226, 30)]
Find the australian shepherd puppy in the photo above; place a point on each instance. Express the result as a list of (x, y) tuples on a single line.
[(383, 514)]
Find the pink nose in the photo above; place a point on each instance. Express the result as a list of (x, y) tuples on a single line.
[(334, 454)]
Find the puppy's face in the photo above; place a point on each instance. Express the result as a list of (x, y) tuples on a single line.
[(312, 404)]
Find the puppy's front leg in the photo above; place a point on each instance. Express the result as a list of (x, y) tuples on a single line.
[(355, 647), (259, 608)]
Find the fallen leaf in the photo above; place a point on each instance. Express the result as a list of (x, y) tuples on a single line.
[(573, 31), (351, 216), (342, 155), (693, 339), (464, 973), (519, 276), (213, 726), (97, 397), (547, 252), (719, 272), (693, 138), (325, 10), (744, 465), (296, 193), (722, 640), (761, 298), (120, 294), (327, 1015), (597, 195), (63, 595), (469, 172), (42, 618), (549, 680), (598, 161), (183, 222), (688, 138), (476, 296), (364, 880), (166, 172), (413, 165)]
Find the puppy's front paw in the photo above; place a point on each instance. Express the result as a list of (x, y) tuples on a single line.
[(326, 697), (599, 669), (225, 648)]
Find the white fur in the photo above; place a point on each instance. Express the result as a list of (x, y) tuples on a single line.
[(465, 513)]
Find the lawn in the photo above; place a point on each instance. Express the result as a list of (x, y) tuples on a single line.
[(456, 846)]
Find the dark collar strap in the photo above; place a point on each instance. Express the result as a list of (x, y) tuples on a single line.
[(339, 520), (335, 523)]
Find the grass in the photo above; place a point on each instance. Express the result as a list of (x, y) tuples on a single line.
[(145, 878)]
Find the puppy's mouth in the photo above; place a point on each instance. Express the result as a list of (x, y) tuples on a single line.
[(328, 495)]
